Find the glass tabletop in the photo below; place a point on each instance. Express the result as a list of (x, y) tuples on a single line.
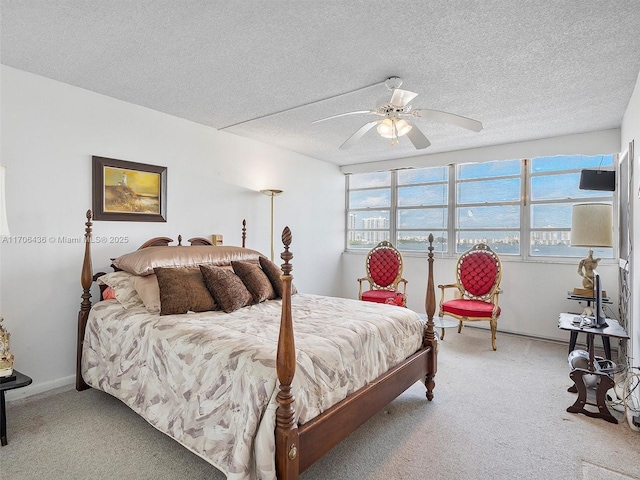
[(441, 322)]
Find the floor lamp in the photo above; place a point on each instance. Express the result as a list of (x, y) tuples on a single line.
[(272, 193), (591, 226)]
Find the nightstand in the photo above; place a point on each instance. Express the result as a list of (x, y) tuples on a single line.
[(21, 380)]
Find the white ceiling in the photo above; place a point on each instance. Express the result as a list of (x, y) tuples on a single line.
[(526, 69)]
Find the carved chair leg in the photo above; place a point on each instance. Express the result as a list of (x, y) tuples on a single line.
[(460, 326), (494, 329)]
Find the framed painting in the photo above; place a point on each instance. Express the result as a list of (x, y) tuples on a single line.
[(129, 191)]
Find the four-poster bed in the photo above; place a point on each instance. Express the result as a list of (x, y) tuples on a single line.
[(308, 421)]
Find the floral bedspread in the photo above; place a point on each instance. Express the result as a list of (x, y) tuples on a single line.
[(208, 379)]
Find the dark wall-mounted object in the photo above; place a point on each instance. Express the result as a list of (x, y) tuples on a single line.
[(598, 180)]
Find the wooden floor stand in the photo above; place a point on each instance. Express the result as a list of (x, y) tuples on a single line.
[(605, 383)]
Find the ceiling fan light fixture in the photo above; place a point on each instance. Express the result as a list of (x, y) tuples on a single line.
[(402, 127), (392, 128)]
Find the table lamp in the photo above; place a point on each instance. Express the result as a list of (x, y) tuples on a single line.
[(6, 358), (591, 226)]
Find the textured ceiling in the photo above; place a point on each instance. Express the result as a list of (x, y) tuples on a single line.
[(525, 69)]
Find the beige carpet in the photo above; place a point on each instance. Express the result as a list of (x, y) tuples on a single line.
[(495, 415)]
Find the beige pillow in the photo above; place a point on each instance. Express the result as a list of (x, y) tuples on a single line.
[(183, 290), (226, 288), (255, 280), (148, 290), (274, 273), (124, 290), (142, 262)]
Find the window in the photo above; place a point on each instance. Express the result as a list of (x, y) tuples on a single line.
[(554, 191), (422, 198), (517, 207), (369, 213), (488, 205)]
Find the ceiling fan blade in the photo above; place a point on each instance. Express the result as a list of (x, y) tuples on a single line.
[(343, 114), (451, 118), (417, 137), (400, 98), (353, 139)]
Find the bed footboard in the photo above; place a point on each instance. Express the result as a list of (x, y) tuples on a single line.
[(298, 447)]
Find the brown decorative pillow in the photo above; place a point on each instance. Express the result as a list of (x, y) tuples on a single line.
[(274, 273), (226, 288), (183, 290), (255, 280)]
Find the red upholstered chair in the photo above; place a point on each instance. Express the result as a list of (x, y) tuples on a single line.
[(478, 273), (384, 274)]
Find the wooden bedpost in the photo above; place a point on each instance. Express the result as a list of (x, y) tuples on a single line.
[(86, 279), (287, 466), (244, 232), (429, 334)]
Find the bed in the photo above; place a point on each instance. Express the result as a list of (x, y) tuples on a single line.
[(239, 388)]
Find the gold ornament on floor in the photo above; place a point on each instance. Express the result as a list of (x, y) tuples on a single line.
[(6, 358)]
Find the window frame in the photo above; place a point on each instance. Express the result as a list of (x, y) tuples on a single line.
[(525, 203)]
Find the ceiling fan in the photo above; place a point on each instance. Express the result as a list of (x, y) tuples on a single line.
[(395, 113)]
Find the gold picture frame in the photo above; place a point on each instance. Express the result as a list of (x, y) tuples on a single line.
[(129, 191)]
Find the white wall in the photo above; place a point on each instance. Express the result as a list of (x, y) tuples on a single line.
[(50, 131), (631, 132)]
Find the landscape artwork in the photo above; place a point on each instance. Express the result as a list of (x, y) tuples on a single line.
[(128, 191), (131, 191)]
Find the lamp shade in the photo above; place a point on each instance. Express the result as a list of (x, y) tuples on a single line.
[(592, 225), (4, 226), (390, 128)]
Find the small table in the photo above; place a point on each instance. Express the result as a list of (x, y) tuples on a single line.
[(21, 380), (613, 329), (574, 335), (441, 323)]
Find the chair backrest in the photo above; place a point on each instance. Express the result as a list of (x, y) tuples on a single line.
[(479, 272), (384, 266)]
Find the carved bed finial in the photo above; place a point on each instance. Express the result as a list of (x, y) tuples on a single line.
[(286, 255), (179, 240), (244, 232)]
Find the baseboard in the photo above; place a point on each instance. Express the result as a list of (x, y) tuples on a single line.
[(39, 388)]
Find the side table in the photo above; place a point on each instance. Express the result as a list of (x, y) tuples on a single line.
[(574, 334), (613, 329), (21, 380), (441, 323)]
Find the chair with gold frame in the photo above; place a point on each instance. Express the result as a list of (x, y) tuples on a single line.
[(478, 276), (384, 274)]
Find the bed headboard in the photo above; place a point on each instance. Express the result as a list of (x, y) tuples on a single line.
[(87, 277)]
